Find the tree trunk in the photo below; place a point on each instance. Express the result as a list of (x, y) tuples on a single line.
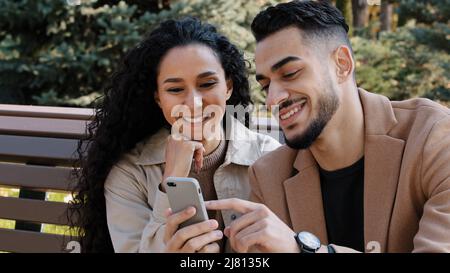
[(386, 16), (345, 6), (166, 4), (360, 10)]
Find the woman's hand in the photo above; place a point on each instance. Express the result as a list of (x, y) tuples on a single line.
[(179, 155), (200, 237)]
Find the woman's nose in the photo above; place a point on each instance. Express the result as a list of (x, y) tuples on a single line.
[(195, 103)]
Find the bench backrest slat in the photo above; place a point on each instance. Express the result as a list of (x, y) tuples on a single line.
[(48, 127), (46, 111), (39, 150), (33, 210), (35, 177), (32, 242)]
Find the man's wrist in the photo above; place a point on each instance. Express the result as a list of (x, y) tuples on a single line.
[(307, 242), (295, 247)]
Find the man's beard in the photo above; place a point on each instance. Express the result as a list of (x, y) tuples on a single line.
[(328, 105)]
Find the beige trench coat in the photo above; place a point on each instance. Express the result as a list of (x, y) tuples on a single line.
[(134, 204)]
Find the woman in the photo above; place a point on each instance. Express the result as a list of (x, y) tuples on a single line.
[(151, 125)]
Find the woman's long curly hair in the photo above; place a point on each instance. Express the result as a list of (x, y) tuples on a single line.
[(127, 114)]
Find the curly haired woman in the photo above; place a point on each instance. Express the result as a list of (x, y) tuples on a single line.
[(132, 145)]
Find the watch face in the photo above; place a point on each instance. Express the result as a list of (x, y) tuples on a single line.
[(309, 240)]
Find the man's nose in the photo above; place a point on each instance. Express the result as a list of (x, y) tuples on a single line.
[(275, 95)]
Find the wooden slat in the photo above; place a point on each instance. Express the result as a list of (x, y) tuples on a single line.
[(46, 127), (46, 111), (37, 211), (31, 242), (35, 177), (40, 150)]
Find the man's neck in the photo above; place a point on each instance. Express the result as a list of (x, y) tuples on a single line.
[(342, 141)]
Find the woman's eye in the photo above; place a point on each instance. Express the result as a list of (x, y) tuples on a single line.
[(290, 75), (207, 84), (264, 88), (175, 90)]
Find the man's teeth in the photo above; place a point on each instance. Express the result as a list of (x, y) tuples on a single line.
[(290, 113), (293, 111)]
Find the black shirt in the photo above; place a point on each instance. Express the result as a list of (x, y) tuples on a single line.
[(343, 195)]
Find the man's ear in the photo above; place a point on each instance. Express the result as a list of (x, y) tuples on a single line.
[(344, 63), (156, 97), (229, 88)]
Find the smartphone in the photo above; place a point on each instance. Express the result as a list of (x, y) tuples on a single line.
[(184, 192)]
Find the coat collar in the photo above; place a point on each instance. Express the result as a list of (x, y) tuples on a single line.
[(382, 162), (243, 146)]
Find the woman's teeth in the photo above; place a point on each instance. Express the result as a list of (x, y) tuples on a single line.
[(293, 111), (195, 120)]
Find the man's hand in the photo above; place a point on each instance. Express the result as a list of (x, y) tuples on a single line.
[(258, 228)]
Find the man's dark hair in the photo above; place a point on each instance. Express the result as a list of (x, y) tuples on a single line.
[(317, 19)]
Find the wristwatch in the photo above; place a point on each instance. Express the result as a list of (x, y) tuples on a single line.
[(307, 242)]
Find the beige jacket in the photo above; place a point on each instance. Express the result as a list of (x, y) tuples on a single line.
[(406, 179), (134, 204)]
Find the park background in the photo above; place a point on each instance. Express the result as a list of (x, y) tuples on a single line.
[(61, 52)]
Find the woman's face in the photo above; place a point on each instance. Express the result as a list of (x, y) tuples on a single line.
[(192, 90)]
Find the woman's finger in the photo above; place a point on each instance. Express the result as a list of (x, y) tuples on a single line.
[(185, 234), (174, 220), (197, 243), (168, 212), (198, 155), (210, 248)]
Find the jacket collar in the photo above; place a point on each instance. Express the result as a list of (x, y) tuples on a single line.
[(243, 146), (382, 163)]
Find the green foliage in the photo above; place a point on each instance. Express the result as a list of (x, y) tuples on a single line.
[(398, 66), (414, 61), (424, 11), (52, 53), (61, 51)]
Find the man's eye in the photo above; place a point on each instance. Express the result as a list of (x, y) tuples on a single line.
[(290, 75)]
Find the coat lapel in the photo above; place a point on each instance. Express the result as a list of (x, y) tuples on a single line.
[(304, 197), (382, 163)]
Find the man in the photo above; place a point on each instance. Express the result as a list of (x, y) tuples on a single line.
[(359, 172)]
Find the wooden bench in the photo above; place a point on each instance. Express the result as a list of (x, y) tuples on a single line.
[(37, 146)]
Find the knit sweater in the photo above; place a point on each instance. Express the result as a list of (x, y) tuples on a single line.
[(205, 178)]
